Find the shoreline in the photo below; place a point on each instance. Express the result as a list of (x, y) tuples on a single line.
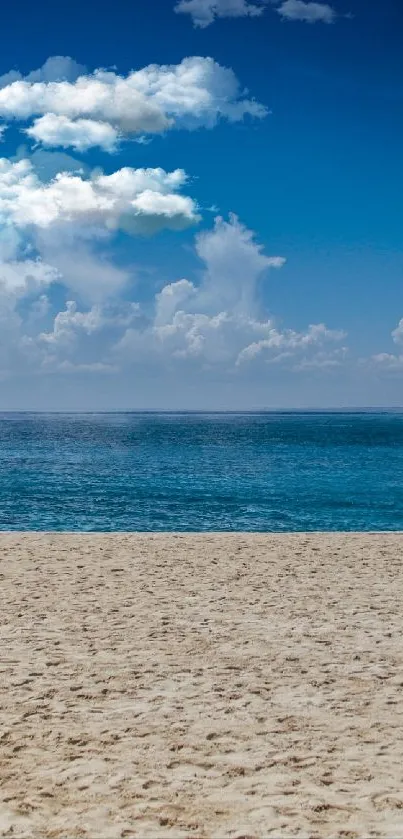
[(201, 685), (196, 535)]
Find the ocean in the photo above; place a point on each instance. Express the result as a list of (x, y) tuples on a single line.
[(201, 472)]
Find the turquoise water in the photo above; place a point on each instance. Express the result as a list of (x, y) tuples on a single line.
[(188, 472)]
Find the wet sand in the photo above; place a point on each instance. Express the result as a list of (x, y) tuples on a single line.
[(201, 685)]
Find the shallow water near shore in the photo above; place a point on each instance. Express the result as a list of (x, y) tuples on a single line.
[(201, 472)]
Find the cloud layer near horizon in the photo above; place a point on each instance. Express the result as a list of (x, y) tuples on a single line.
[(213, 322)]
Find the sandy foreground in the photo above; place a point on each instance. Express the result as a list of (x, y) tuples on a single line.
[(201, 685)]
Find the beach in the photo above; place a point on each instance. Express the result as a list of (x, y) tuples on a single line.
[(215, 685)]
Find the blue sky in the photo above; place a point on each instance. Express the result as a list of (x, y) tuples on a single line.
[(206, 209)]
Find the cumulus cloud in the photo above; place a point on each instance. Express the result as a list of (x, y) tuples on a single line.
[(204, 12), (170, 299), (67, 346), (134, 200), (234, 263), (26, 276), (217, 322), (232, 339), (55, 130), (69, 322), (197, 92), (21, 273), (308, 12), (59, 231), (290, 341), (22, 281), (57, 68), (215, 339)]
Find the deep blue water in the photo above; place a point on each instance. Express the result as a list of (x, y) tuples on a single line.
[(263, 472)]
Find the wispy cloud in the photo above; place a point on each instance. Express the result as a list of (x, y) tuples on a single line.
[(204, 12), (307, 12)]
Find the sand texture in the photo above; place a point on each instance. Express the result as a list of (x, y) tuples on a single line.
[(201, 685)]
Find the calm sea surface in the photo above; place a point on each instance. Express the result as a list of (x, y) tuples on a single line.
[(188, 472)]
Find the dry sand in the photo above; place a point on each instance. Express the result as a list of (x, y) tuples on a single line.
[(201, 686)]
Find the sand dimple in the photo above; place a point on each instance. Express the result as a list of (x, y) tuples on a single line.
[(201, 686)]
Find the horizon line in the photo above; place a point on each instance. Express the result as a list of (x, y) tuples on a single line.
[(318, 410)]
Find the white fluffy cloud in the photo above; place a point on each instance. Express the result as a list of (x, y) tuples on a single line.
[(308, 12), (217, 321), (232, 339), (59, 230), (197, 92), (64, 299), (234, 263), (71, 322), (81, 134), (67, 323), (170, 299), (277, 342), (57, 68), (78, 340), (213, 339), (134, 200), (204, 12)]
